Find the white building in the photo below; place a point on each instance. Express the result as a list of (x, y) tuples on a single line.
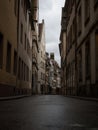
[(41, 59), (54, 75)]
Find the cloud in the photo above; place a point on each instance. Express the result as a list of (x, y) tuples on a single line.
[(45, 5), (50, 10)]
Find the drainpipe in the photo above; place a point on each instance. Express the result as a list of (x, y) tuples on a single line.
[(76, 76), (18, 15)]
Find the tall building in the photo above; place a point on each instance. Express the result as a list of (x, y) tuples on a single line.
[(15, 47), (81, 23), (62, 47), (86, 46), (35, 47), (41, 58), (24, 76), (8, 48)]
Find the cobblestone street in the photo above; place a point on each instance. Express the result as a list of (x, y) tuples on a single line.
[(48, 112)]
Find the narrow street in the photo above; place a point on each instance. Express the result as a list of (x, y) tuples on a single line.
[(49, 49), (48, 112)]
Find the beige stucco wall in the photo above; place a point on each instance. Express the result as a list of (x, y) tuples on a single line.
[(8, 27)]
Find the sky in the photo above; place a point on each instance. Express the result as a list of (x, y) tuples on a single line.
[(50, 11)]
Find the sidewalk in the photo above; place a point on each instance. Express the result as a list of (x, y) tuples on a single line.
[(13, 97), (83, 98)]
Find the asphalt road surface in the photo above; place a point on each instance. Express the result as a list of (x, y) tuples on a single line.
[(48, 112)]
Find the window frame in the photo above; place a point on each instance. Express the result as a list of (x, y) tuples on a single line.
[(87, 59), (21, 33), (15, 63), (87, 12), (8, 57), (1, 50)]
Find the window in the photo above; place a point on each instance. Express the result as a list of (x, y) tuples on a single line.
[(15, 63), (8, 58), (70, 36), (79, 21), (73, 30), (22, 71), (28, 46), (25, 10), (96, 51), (68, 42), (21, 33), (87, 59), (16, 7), (25, 72), (19, 69), (1, 50), (80, 65), (95, 4), (22, 3), (41, 54), (25, 41), (41, 75), (87, 11), (30, 76)]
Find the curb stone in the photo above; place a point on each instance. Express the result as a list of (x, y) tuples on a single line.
[(13, 97), (83, 98)]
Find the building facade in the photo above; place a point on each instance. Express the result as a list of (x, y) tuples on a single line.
[(62, 48), (70, 49), (41, 59), (81, 51), (15, 47), (86, 55), (35, 47), (24, 68)]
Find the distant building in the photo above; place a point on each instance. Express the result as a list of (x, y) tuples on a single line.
[(58, 79), (52, 56), (47, 68), (54, 76)]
